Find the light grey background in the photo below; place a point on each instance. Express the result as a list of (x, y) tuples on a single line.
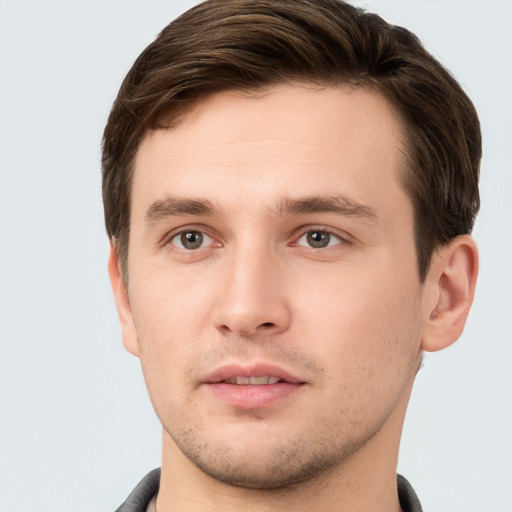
[(76, 428)]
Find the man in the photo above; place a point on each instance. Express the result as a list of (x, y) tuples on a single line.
[(289, 189)]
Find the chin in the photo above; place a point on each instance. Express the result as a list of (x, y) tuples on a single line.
[(266, 467), (264, 475)]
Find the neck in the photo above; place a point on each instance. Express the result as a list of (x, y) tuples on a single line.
[(364, 481)]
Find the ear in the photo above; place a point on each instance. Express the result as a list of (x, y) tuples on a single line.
[(124, 309), (452, 280)]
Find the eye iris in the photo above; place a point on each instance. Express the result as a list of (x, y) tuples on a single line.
[(318, 239), (191, 239)]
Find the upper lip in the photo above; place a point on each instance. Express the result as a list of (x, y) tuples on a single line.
[(231, 371)]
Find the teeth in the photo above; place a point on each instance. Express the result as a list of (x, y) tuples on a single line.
[(258, 381), (253, 381)]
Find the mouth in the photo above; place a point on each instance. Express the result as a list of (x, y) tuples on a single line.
[(264, 380), (256, 374), (253, 387)]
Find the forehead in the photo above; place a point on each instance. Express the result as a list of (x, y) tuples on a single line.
[(282, 141), (272, 106)]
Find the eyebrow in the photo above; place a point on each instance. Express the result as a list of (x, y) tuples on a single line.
[(172, 206), (339, 204)]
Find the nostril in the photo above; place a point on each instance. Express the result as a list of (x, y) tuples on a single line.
[(267, 324)]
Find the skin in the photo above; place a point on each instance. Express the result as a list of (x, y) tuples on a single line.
[(349, 320)]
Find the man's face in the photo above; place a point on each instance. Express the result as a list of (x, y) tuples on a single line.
[(273, 286)]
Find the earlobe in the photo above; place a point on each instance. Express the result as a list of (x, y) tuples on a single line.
[(452, 278), (122, 300)]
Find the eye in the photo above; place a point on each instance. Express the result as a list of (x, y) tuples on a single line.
[(318, 239), (191, 240)]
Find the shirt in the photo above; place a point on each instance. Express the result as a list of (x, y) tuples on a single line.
[(143, 497)]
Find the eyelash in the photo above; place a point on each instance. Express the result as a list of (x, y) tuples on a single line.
[(197, 230), (344, 239)]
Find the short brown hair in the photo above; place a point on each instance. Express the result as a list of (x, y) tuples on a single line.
[(248, 44)]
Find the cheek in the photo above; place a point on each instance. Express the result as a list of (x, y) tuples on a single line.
[(362, 322), (168, 323), (166, 303), (369, 346)]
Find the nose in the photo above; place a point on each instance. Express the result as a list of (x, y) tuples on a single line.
[(252, 296)]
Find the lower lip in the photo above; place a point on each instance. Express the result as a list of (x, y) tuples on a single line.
[(253, 397)]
